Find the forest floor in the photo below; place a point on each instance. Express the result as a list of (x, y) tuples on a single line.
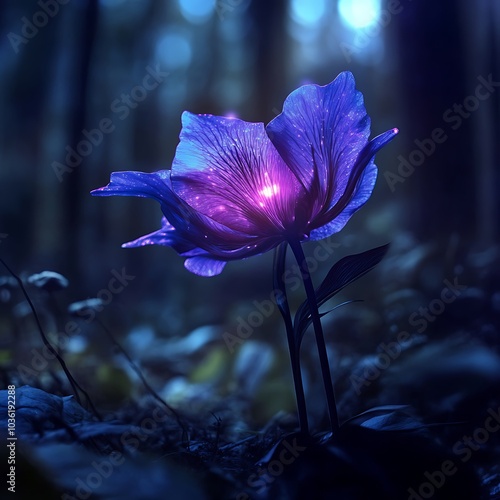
[(419, 405)]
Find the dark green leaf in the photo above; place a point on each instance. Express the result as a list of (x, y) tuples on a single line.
[(342, 273)]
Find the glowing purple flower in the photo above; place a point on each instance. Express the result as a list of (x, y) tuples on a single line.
[(238, 189)]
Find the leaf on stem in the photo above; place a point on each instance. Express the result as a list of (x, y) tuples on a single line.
[(342, 273)]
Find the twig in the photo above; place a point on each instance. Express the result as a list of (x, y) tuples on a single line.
[(74, 384)]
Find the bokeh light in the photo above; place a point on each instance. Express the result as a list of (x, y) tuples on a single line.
[(174, 50), (358, 14), (307, 12), (197, 11)]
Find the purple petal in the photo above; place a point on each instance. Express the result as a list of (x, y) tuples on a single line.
[(228, 170), (194, 232), (357, 192), (140, 184), (166, 236), (201, 263), (320, 133), (361, 196), (156, 185), (204, 266)]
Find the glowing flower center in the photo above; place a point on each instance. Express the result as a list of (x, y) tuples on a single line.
[(269, 191)]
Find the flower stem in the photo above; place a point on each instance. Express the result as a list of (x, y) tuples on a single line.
[(318, 331), (299, 387), (279, 286)]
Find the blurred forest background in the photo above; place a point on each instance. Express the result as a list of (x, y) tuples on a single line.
[(71, 67)]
